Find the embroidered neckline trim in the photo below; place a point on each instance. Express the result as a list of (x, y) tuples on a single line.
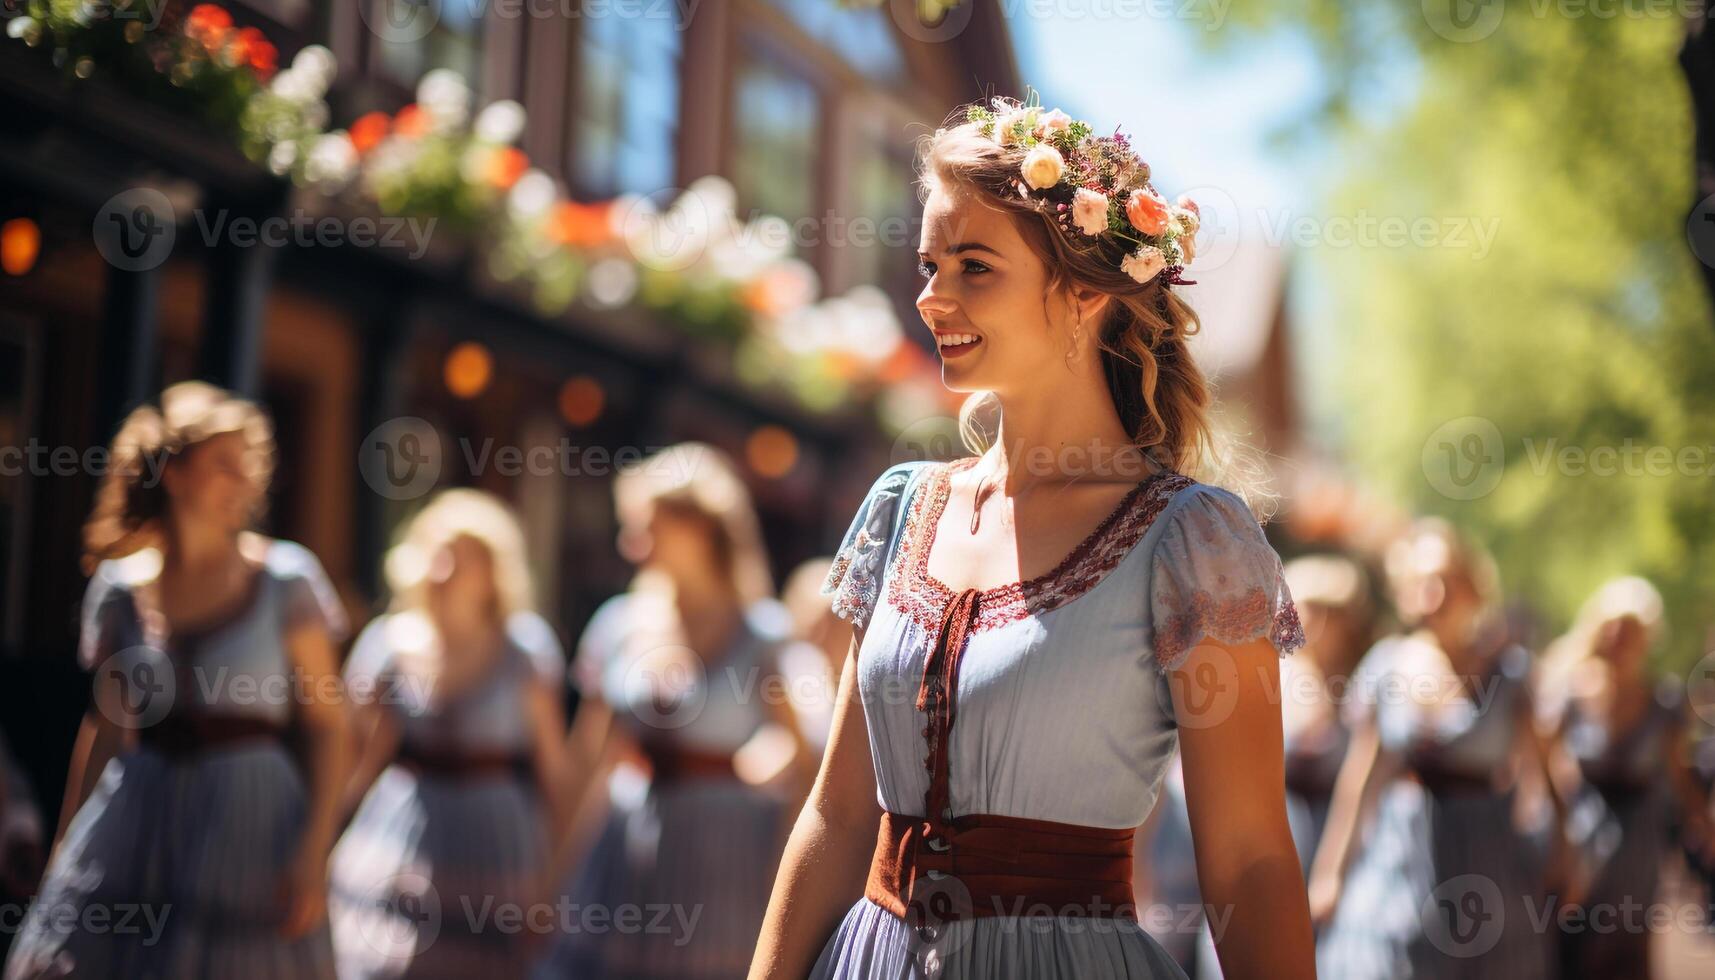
[(918, 594)]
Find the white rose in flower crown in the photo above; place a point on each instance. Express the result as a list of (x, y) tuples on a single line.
[(1144, 264), (1025, 116), (1043, 166), (1090, 211)]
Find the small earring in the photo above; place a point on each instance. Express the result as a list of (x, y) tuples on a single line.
[(1077, 338)]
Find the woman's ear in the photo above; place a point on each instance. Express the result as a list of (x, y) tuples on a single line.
[(1091, 303)]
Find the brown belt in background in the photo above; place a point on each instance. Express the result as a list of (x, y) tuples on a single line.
[(1450, 782), (672, 763), (184, 734), (463, 765)]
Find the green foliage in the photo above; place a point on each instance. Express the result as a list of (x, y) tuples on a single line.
[(1585, 327)]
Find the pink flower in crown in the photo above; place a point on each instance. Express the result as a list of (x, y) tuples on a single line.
[(1090, 211), (1052, 121), (1144, 264), (1147, 211)]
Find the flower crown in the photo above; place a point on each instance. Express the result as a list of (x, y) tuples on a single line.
[(1097, 184)]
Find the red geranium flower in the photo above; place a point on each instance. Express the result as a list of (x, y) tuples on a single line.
[(368, 131)]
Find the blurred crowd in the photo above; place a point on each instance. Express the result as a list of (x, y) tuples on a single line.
[(421, 804)]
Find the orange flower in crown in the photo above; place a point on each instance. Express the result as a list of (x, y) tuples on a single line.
[(1097, 185)]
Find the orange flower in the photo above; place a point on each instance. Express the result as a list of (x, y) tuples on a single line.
[(578, 225), (1147, 211), (505, 166), (368, 131), (209, 24), (411, 121)]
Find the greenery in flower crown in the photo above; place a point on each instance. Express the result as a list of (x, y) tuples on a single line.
[(1097, 186)]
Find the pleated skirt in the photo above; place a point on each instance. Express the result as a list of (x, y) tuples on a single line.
[(439, 877), (675, 886), (872, 943), (172, 870)]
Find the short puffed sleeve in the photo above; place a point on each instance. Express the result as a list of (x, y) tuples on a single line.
[(1215, 576), (598, 644), (110, 621), (370, 659), (854, 579), (309, 596), (532, 634)]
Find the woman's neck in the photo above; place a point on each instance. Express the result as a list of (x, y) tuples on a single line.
[(1069, 434), (196, 547)]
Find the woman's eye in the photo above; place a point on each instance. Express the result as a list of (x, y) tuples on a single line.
[(926, 269), (972, 265)]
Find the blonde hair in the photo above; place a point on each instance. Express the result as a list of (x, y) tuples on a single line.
[(698, 478), (1627, 597), (1161, 395), (453, 514), (131, 501), (1429, 545)]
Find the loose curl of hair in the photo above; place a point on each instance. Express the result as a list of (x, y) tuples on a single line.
[(131, 502), (1160, 394)]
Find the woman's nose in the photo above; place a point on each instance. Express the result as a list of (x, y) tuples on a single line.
[(933, 301)]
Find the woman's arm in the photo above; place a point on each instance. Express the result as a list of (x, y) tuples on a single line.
[(589, 754), (547, 723), (1365, 769), (1695, 807), (99, 739), (322, 717), (1226, 699), (827, 857), (376, 734)]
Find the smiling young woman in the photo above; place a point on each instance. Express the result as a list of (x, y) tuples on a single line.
[(1038, 628)]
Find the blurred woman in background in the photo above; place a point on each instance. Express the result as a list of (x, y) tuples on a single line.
[(682, 671), (811, 662), (458, 691), (1335, 606), (1429, 865), (191, 845), (1621, 761)]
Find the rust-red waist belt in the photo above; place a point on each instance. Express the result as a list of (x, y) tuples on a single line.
[(940, 867)]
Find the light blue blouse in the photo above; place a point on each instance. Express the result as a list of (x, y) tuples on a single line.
[(1064, 708)]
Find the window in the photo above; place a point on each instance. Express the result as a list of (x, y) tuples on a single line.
[(884, 195), (625, 119), (455, 40), (776, 138), (863, 37)]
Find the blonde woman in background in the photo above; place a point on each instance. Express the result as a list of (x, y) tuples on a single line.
[(458, 689), (682, 671), (1430, 864), (1622, 760), (811, 662), (186, 816)]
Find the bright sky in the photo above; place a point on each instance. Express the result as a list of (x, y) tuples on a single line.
[(1197, 118)]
